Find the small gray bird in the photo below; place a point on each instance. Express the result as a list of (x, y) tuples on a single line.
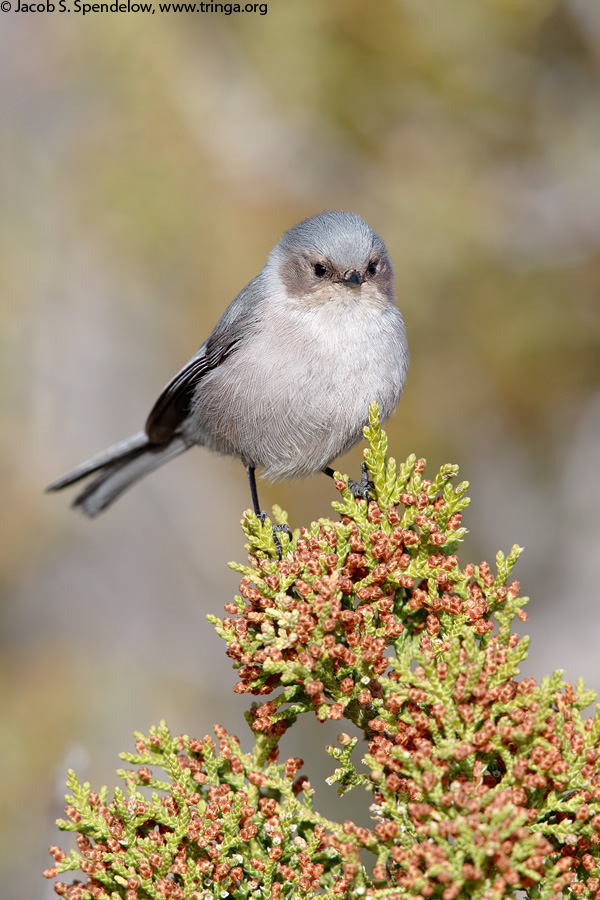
[(285, 380)]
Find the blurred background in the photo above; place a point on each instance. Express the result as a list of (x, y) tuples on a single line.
[(147, 166)]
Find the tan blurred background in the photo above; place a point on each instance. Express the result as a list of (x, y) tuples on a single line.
[(147, 165)]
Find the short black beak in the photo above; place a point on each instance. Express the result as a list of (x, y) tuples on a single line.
[(353, 277)]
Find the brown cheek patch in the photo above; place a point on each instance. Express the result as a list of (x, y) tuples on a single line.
[(296, 277), (385, 277)]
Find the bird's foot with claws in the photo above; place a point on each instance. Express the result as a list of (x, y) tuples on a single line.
[(277, 529), (360, 489)]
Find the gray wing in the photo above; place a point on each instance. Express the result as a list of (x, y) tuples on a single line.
[(173, 406)]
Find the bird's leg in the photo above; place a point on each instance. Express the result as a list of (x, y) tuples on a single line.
[(262, 514), (254, 493), (359, 489)]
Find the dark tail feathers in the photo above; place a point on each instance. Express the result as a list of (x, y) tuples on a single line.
[(120, 467)]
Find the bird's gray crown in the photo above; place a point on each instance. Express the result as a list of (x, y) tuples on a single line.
[(342, 237)]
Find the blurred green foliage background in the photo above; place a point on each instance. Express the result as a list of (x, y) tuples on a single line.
[(147, 166)]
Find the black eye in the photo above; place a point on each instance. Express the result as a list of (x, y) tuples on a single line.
[(319, 270), (372, 267)]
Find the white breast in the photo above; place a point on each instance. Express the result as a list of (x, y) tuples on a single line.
[(296, 394)]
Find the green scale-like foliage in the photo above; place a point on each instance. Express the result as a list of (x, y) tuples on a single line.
[(482, 785)]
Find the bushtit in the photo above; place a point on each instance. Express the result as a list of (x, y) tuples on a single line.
[(285, 380)]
